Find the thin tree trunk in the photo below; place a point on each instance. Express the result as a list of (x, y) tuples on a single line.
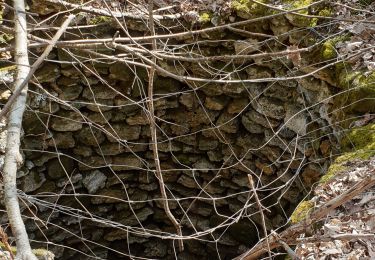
[(12, 155)]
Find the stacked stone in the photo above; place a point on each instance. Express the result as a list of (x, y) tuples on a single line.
[(89, 157)]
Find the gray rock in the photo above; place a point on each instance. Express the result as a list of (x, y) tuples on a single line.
[(33, 181), (251, 126), (94, 181), (296, 119), (227, 123), (207, 144), (60, 167), (237, 105), (62, 140), (100, 105), (123, 132), (48, 73), (99, 92), (246, 47), (123, 163), (70, 89), (90, 136), (269, 107), (216, 103), (66, 122)]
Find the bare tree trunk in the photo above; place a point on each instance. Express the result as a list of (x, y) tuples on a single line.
[(12, 156)]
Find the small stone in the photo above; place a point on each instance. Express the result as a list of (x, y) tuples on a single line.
[(270, 107), (94, 181), (48, 73), (206, 144), (67, 122), (237, 105), (123, 163), (100, 105), (246, 47), (123, 132), (61, 167), (296, 120), (216, 103), (267, 169), (99, 92), (139, 119), (62, 140), (188, 100), (100, 118), (108, 196), (90, 136), (227, 123), (32, 181)]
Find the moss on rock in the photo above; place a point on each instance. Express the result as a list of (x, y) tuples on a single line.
[(358, 144), (301, 211)]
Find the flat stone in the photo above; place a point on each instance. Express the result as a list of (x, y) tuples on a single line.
[(216, 103), (100, 118), (139, 119), (121, 72), (207, 144), (237, 105), (67, 122), (90, 136), (94, 181), (269, 107), (265, 168), (188, 99), (93, 162), (107, 196), (254, 116), (187, 182), (62, 140), (100, 105), (99, 92), (246, 47), (123, 132), (70, 88), (48, 73), (251, 126), (128, 162), (58, 168), (296, 119), (227, 123), (83, 151), (32, 181)]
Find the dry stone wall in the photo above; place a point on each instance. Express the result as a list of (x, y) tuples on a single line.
[(90, 167)]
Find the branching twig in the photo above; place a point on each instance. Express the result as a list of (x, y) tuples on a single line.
[(291, 234), (154, 135), (35, 66)]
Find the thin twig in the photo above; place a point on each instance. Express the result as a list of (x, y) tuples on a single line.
[(36, 65), (291, 234), (154, 134), (260, 207)]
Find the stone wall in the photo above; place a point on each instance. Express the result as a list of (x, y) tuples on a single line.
[(90, 167)]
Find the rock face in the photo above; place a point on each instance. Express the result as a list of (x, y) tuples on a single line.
[(95, 149)]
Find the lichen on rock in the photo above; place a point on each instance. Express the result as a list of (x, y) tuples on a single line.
[(302, 211)]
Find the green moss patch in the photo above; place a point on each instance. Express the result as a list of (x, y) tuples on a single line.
[(301, 212), (358, 144)]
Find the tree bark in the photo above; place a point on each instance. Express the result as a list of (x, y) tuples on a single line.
[(13, 157)]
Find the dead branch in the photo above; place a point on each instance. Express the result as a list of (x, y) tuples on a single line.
[(35, 66), (154, 135), (290, 235)]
